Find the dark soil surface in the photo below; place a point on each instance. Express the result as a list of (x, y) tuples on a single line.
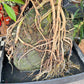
[(18, 76)]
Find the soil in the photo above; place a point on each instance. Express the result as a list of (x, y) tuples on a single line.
[(18, 76), (81, 46)]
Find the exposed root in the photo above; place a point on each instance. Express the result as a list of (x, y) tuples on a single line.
[(53, 60)]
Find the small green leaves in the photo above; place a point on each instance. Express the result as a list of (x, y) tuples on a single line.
[(75, 14), (82, 31), (79, 28), (76, 30), (16, 1), (10, 11)]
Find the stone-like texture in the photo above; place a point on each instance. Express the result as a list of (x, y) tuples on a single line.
[(31, 60)]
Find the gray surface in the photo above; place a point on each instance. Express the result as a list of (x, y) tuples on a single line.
[(77, 82)]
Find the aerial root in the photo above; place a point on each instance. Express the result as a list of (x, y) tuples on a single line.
[(53, 60)]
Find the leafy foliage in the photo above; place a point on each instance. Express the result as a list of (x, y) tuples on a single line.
[(16, 1), (9, 10), (79, 22)]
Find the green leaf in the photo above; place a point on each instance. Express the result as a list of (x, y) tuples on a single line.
[(81, 5), (16, 1), (75, 32), (82, 31), (10, 11), (76, 13), (76, 26)]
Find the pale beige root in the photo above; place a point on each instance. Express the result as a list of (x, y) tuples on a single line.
[(53, 60)]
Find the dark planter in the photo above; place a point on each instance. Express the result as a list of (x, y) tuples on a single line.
[(1, 54), (79, 52), (74, 79)]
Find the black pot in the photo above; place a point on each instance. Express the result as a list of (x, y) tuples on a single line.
[(78, 51), (1, 54), (68, 79)]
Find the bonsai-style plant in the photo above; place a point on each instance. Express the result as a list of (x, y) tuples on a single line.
[(38, 40)]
